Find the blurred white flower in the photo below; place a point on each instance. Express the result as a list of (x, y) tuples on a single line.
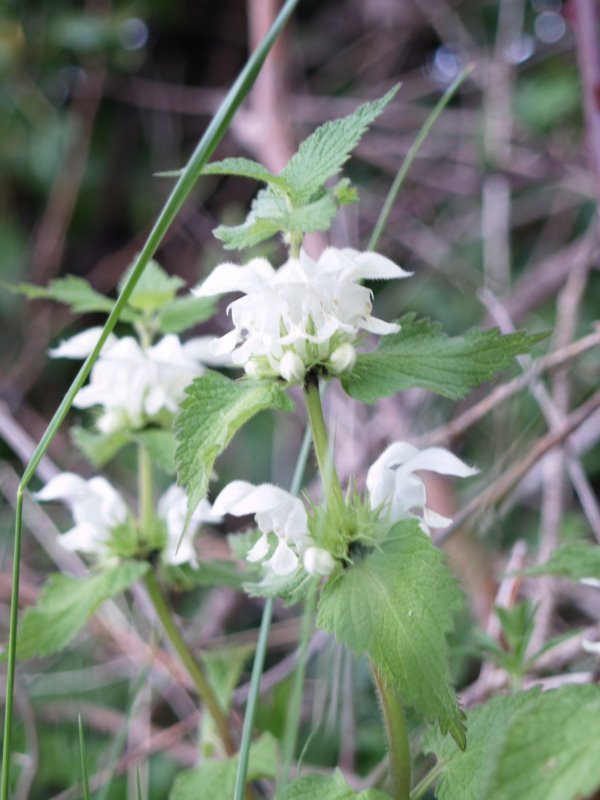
[(318, 562), (276, 512), (393, 486), (132, 384), (302, 313), (97, 509)]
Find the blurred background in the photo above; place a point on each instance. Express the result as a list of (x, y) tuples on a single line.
[(497, 220)]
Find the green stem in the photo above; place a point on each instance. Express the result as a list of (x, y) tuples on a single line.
[(196, 673), (411, 155), (427, 782), (184, 185), (331, 482), (292, 720), (145, 493), (397, 735)]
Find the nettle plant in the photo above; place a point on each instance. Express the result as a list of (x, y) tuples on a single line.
[(363, 563)]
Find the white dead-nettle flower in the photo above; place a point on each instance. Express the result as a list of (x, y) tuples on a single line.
[(394, 487), (133, 384), (305, 313), (276, 512), (98, 509)]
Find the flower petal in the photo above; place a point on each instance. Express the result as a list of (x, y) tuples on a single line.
[(229, 277), (259, 550), (82, 344), (283, 561), (62, 487), (434, 520), (440, 460)]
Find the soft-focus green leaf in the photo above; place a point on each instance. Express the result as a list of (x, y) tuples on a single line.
[(332, 787), (160, 444), (208, 573), (531, 746), (214, 409), (99, 448), (70, 290), (575, 560), (245, 168), (154, 289), (421, 355), (326, 150), (396, 605), (66, 604), (216, 779), (183, 313)]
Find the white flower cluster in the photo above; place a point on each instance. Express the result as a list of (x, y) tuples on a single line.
[(133, 384), (305, 313), (278, 513), (398, 493), (98, 510)]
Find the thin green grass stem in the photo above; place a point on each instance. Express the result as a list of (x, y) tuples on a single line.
[(411, 155), (184, 185), (85, 780)]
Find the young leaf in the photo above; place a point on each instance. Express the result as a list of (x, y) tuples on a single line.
[(420, 354), (99, 448), (396, 605), (245, 168), (576, 560), (534, 746), (264, 220), (154, 289), (326, 150), (332, 787), (214, 409), (66, 604), (70, 290), (183, 313), (216, 779)]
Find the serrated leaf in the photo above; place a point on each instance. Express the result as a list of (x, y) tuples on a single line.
[(421, 355), (316, 216), (160, 444), (70, 290), (576, 560), (332, 787), (396, 605), (216, 779), (246, 168), (326, 150), (290, 588), (99, 448), (154, 289), (66, 604), (183, 313), (531, 746), (263, 221), (214, 409), (209, 573)]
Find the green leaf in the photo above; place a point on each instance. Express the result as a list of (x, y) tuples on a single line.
[(245, 168), (223, 670), (66, 604), (316, 216), (263, 221), (216, 779), (183, 313), (70, 290), (332, 787), (154, 289), (396, 605), (326, 150), (160, 445), (531, 746), (214, 409), (421, 355), (209, 573), (575, 560), (99, 448), (290, 588)]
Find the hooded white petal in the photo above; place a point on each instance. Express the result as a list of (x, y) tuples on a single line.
[(82, 344), (283, 561), (172, 508), (393, 486)]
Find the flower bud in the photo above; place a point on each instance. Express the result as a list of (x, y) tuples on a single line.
[(291, 367), (318, 562), (343, 358), (111, 421), (253, 369)]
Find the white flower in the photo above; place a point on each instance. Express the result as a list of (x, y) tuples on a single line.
[(393, 486), (342, 359), (96, 507), (172, 508), (318, 562), (307, 308), (291, 367), (133, 384), (275, 511)]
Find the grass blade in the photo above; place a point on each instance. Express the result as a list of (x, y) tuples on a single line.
[(85, 780), (213, 134)]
